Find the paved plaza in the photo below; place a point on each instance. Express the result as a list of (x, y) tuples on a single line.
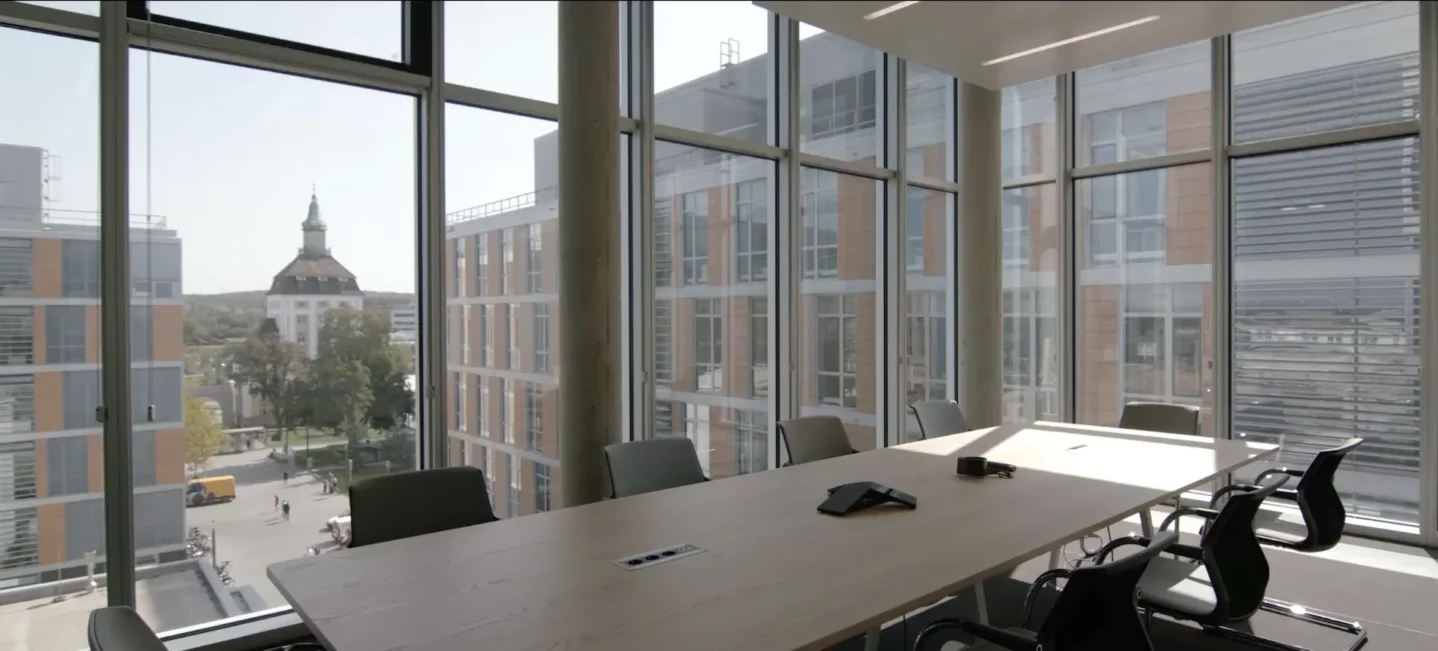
[(249, 531)]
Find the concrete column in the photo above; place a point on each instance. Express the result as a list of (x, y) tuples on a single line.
[(590, 390), (978, 305)]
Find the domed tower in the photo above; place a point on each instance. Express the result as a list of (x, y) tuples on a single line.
[(310, 285)]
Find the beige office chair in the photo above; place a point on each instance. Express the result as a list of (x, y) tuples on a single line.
[(1163, 418), (409, 504), (939, 418), (1160, 417), (639, 467), (814, 438)]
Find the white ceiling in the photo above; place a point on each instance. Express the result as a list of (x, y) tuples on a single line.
[(958, 37)]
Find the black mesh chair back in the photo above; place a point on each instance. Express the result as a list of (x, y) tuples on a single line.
[(814, 438), (1231, 552), (1098, 608), (120, 628), (409, 504), (1318, 499), (939, 418), (1160, 417), (655, 464)]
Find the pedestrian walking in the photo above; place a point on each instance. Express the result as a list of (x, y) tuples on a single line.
[(277, 501), (285, 476), (285, 508)]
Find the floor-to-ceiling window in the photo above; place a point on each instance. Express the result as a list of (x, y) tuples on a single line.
[(1325, 254), (1142, 239)]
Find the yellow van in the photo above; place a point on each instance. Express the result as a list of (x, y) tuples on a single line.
[(208, 490)]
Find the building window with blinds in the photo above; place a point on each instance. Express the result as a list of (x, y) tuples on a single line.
[(17, 336), (16, 268)]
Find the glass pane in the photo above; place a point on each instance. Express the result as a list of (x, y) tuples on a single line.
[(1144, 333), (1031, 345), (503, 279), (267, 281), (715, 328), (1028, 137), (1144, 106), (1326, 314), (926, 352), (51, 486), (507, 47), (1348, 67), (728, 96), (838, 87), (374, 29), (838, 312), (929, 123)]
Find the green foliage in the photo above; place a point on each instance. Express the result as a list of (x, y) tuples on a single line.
[(204, 438), (358, 376), (266, 364)]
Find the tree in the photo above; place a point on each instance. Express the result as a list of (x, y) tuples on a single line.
[(341, 396), (265, 364), (204, 438), (363, 337)]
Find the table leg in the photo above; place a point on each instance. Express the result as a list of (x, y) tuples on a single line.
[(981, 605), (871, 639), (1054, 558), (1145, 522)]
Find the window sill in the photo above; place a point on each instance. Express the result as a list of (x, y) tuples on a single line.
[(262, 630)]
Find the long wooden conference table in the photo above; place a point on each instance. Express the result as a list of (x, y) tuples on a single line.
[(773, 573)]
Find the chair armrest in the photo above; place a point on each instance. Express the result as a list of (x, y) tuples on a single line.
[(1291, 472), (1005, 639), (1039, 583), (1177, 549), (1181, 511)]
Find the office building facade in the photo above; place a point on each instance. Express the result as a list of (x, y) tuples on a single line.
[(51, 481)]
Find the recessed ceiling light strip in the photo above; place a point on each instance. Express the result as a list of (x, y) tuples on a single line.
[(1068, 41), (891, 9)]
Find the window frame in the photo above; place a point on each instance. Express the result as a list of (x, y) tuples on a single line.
[(694, 237), (751, 218), (846, 322), (1128, 216), (710, 311)]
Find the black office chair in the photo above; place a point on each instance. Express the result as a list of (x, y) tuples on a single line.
[(1096, 610), (651, 465), (410, 504), (814, 438), (939, 418), (1323, 517), (1220, 582), (120, 628)]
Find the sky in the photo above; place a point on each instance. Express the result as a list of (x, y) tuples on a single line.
[(229, 156)]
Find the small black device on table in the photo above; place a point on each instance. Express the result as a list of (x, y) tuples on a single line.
[(848, 498), (982, 467)]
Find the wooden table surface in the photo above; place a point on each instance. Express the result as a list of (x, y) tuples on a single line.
[(775, 574)]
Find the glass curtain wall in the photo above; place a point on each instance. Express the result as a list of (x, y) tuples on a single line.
[(1308, 268), (778, 273), (284, 303)]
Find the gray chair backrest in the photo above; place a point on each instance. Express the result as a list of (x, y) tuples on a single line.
[(814, 438), (939, 418), (120, 628), (409, 504), (1160, 417), (652, 465)]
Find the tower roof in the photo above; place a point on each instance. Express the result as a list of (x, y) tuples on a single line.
[(313, 221), (314, 272)]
